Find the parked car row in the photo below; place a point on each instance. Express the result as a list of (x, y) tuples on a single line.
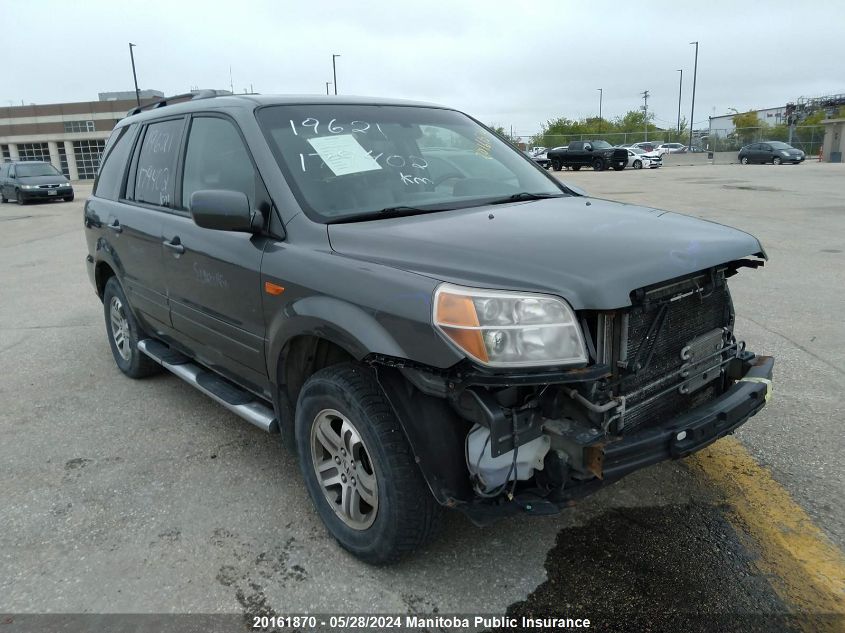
[(24, 181)]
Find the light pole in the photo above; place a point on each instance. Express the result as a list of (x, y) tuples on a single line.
[(680, 87), (692, 110), (601, 95), (645, 112), (328, 83), (334, 72), (134, 76)]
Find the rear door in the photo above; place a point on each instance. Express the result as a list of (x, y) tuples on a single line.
[(132, 192), (213, 277)]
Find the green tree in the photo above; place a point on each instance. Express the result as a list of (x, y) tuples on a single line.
[(748, 126)]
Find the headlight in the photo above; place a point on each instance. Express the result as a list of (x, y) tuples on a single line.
[(29, 186), (509, 329), (784, 152)]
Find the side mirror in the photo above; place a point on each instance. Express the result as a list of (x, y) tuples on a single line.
[(589, 148), (223, 210)]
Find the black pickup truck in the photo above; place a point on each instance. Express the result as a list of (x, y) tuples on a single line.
[(596, 154), (427, 317)]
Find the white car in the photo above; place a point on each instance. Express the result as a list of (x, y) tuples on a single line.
[(638, 158), (671, 148)]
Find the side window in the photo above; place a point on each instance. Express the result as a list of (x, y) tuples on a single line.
[(216, 159), (154, 175), (111, 173)]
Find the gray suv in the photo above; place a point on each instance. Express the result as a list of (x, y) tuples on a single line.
[(426, 316)]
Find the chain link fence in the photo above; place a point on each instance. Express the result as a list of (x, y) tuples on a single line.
[(614, 138)]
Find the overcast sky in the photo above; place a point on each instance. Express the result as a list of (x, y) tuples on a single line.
[(507, 63)]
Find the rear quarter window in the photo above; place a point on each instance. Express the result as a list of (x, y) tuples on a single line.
[(110, 180)]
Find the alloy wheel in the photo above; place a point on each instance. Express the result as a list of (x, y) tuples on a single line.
[(344, 469), (120, 328)]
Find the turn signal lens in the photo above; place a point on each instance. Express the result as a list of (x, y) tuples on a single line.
[(504, 329)]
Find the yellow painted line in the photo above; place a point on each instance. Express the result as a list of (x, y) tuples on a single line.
[(804, 567)]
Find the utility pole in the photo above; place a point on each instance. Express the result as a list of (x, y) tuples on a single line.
[(601, 94), (328, 83), (692, 110), (644, 93), (680, 87), (334, 72), (134, 75), (231, 83)]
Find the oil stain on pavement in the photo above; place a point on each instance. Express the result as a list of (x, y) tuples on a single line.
[(664, 568)]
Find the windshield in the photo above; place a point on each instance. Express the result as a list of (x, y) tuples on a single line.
[(36, 169), (601, 145), (350, 160), (779, 145), (636, 150)]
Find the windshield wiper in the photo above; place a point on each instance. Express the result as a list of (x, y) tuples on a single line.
[(525, 195), (389, 212)]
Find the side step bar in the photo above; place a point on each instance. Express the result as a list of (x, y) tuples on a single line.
[(238, 401)]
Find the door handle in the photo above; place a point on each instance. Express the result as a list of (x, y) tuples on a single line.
[(115, 226), (175, 245)]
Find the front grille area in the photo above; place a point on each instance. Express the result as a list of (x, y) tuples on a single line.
[(685, 318)]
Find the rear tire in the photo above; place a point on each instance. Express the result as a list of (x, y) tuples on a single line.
[(556, 165), (68, 198), (598, 164), (618, 166), (345, 425), (777, 160), (744, 160), (123, 334)]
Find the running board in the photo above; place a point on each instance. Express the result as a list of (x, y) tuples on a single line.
[(238, 401)]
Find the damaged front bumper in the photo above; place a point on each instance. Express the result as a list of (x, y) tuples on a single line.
[(613, 458)]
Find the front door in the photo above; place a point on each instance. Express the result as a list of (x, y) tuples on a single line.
[(213, 277)]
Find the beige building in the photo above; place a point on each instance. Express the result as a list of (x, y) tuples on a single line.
[(834, 130), (71, 136)]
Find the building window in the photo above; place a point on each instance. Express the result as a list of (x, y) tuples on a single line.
[(63, 161), (34, 151), (87, 154), (79, 126), (7, 156)]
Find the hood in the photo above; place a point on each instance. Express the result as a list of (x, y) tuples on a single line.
[(591, 252), (43, 180)]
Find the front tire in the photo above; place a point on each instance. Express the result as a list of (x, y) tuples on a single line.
[(358, 467), (123, 334), (19, 198), (638, 164)]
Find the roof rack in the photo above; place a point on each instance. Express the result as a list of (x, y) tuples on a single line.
[(187, 96)]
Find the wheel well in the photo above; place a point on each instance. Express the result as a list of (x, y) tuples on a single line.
[(303, 356), (102, 273)]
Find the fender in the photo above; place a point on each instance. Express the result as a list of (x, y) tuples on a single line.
[(344, 324)]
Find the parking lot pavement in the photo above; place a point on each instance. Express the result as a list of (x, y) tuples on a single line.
[(145, 496)]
